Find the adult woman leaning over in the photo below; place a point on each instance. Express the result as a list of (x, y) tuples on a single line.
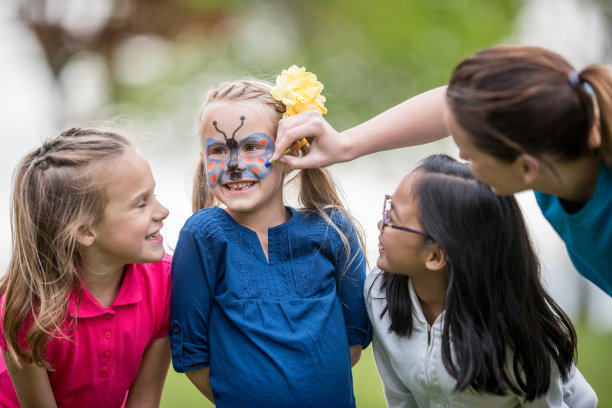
[(524, 119)]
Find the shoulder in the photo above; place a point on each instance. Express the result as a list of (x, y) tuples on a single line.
[(373, 281), (205, 218), (317, 221), (207, 223)]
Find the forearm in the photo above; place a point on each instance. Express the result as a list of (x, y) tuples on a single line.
[(31, 384), (355, 354), (149, 384), (418, 120), (200, 378)]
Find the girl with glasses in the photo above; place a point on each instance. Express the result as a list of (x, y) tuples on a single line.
[(525, 120), (460, 317)]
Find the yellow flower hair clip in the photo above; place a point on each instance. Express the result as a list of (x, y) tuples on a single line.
[(299, 91)]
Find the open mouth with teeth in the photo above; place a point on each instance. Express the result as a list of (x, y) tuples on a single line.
[(239, 186), (152, 237)]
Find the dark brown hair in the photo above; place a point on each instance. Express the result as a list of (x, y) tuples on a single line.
[(503, 333), (516, 100)]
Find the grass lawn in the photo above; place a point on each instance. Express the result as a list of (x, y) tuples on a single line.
[(594, 361)]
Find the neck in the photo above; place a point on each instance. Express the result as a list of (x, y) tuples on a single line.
[(101, 280), (572, 181), (431, 290), (260, 220), (273, 214)]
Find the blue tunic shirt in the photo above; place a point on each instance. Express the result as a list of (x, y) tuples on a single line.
[(275, 333), (587, 233)]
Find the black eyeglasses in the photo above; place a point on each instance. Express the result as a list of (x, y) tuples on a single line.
[(387, 223)]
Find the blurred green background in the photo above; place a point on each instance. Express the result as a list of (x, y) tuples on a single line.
[(147, 64)]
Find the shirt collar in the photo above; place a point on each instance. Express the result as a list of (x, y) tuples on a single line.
[(130, 292)]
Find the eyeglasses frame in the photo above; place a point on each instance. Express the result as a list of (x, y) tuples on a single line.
[(386, 223)]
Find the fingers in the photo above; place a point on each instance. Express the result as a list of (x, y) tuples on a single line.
[(294, 128), (304, 162)]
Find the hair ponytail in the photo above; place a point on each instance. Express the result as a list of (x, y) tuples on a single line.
[(600, 79), (201, 196), (318, 194)]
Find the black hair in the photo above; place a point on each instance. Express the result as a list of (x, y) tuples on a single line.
[(506, 329)]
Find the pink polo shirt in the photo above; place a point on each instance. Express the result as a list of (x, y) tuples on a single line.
[(99, 366)]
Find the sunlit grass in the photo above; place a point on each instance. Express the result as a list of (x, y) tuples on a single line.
[(595, 358)]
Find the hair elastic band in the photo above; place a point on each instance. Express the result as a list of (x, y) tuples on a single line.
[(574, 79), (588, 88)]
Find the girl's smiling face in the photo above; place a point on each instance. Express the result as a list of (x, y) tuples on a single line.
[(237, 142), (230, 161), (130, 228), (403, 252)]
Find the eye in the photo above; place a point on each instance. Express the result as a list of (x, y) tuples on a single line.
[(217, 151), (251, 148)]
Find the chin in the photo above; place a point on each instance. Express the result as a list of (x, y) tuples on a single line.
[(381, 264)]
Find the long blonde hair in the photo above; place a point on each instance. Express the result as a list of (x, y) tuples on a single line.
[(57, 192), (317, 191)]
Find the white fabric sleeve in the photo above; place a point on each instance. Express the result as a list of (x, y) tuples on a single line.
[(396, 393), (574, 393), (577, 392)]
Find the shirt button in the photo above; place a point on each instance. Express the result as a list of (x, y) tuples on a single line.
[(104, 369), (176, 330), (107, 353), (108, 316), (107, 334)]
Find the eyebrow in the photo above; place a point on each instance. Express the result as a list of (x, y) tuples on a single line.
[(143, 193)]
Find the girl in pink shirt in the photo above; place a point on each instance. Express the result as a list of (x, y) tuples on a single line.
[(85, 299)]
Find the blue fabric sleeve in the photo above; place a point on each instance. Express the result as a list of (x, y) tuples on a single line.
[(193, 286), (350, 283)]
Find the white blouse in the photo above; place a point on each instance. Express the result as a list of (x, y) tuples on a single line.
[(413, 374)]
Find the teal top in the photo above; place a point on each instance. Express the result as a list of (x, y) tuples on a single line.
[(587, 233)]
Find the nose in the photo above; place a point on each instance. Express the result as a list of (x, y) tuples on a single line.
[(379, 225), (161, 212)]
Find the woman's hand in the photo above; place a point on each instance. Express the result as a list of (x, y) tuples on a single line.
[(327, 146)]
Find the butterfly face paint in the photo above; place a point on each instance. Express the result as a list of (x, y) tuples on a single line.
[(234, 160)]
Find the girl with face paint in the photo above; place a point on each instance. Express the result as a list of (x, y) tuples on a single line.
[(266, 305)]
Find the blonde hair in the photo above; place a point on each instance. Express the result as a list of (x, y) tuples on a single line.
[(57, 192), (317, 191)]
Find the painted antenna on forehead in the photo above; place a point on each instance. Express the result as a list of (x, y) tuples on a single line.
[(242, 118), (220, 131), (238, 128)]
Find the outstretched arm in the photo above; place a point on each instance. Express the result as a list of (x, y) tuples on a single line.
[(416, 121), (31, 384), (148, 386)]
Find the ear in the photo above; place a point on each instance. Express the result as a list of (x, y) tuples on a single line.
[(530, 167), (436, 260), (86, 236)]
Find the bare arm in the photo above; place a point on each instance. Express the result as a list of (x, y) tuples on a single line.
[(149, 384), (415, 121), (355, 354), (200, 378), (31, 384)]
